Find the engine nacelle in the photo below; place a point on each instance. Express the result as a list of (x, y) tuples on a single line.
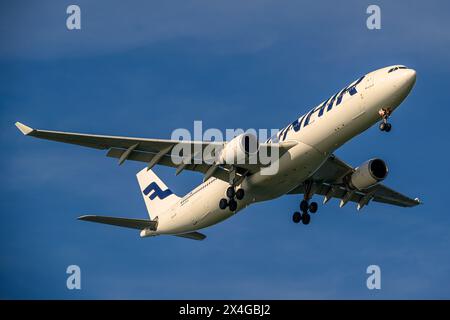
[(239, 149), (368, 174)]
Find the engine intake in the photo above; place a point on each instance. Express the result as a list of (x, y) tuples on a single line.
[(368, 174), (239, 149)]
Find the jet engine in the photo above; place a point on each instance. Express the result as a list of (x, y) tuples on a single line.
[(368, 174), (239, 149)]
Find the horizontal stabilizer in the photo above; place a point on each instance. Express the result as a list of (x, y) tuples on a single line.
[(192, 235), (121, 222)]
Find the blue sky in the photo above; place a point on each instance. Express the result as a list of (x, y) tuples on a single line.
[(151, 67)]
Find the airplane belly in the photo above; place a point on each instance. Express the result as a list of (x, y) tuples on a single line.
[(295, 166), (212, 213), (201, 211)]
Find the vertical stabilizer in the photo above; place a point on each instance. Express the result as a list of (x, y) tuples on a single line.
[(157, 196)]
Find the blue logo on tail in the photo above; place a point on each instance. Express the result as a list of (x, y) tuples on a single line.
[(157, 191)]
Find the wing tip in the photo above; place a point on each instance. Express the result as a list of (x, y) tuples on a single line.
[(26, 130), (85, 217)]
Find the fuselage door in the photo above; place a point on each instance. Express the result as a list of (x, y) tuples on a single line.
[(368, 83)]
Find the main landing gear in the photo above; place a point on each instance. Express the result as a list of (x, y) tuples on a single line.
[(305, 206), (384, 125), (232, 196)]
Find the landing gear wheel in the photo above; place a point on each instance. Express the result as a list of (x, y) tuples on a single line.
[(385, 126), (313, 207), (297, 217), (233, 205), (304, 206), (240, 194), (230, 192), (306, 218), (223, 203)]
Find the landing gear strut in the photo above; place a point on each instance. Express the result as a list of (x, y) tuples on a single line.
[(305, 206), (384, 125)]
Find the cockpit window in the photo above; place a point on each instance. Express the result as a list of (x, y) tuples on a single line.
[(396, 68)]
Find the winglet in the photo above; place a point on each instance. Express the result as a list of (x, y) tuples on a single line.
[(23, 128)]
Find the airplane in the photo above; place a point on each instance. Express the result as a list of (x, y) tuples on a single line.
[(306, 162)]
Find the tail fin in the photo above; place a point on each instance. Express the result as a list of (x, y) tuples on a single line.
[(157, 196)]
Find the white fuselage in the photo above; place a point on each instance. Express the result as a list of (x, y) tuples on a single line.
[(318, 133)]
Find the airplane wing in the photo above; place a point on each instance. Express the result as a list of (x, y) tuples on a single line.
[(151, 151), (328, 181)]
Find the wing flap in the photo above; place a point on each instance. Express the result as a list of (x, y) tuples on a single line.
[(331, 174), (382, 194), (221, 173), (387, 195)]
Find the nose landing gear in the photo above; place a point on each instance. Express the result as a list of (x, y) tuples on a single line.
[(384, 125)]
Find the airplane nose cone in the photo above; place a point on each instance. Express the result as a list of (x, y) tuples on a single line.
[(402, 81), (405, 80), (410, 75)]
